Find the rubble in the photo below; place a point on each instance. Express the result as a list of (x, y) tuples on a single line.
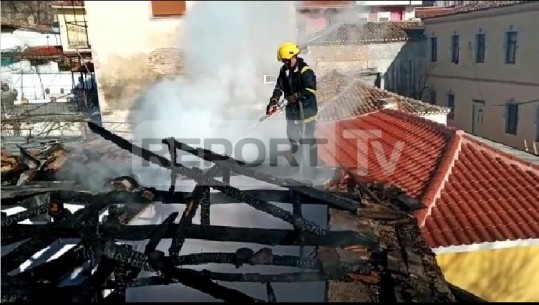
[(363, 248)]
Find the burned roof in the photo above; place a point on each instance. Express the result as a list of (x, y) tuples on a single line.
[(372, 243), (475, 6), (342, 96), (371, 32)]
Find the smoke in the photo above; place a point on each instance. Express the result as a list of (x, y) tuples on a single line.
[(353, 14), (227, 49)]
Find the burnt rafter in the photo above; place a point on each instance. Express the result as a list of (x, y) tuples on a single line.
[(200, 177), (125, 197), (271, 237), (359, 246), (295, 185)]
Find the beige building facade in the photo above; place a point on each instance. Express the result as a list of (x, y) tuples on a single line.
[(484, 65), (137, 48)]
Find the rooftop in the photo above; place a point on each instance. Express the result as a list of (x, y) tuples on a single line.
[(472, 193), (475, 6), (371, 32), (363, 255), (343, 96)]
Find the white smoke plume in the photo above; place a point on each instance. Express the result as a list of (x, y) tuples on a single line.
[(227, 47)]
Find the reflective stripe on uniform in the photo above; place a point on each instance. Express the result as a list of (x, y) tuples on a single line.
[(307, 120), (303, 70)]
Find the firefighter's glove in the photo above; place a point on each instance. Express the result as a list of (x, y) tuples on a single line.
[(272, 106), (293, 98)]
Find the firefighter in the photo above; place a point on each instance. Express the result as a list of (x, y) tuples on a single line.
[(298, 83)]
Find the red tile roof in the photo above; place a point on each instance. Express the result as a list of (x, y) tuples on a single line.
[(44, 51), (478, 6), (488, 196), (429, 12), (372, 32), (472, 193), (422, 148), (343, 96)]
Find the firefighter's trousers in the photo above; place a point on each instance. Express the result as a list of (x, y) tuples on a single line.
[(303, 146)]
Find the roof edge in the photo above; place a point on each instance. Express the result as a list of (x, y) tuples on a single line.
[(461, 13), (522, 164), (440, 177)]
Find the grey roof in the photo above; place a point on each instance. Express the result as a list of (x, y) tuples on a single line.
[(371, 32)]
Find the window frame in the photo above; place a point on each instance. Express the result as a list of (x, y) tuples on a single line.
[(455, 48), (451, 105), (511, 118), (480, 49), (433, 49), (511, 47)]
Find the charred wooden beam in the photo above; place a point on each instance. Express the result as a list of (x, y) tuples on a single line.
[(362, 187), (125, 197), (270, 293), (200, 193), (55, 269), (232, 164), (13, 219), (45, 236), (201, 178), (214, 233), (198, 281)]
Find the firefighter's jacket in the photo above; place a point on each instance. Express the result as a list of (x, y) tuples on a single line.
[(303, 82)]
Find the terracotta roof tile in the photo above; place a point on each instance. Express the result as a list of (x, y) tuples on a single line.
[(489, 196), (477, 6), (372, 32), (473, 193), (422, 148), (42, 51), (429, 12), (342, 96)]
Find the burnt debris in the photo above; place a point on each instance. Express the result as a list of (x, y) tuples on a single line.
[(353, 252)]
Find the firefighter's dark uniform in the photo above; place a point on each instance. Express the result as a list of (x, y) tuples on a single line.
[(302, 82)]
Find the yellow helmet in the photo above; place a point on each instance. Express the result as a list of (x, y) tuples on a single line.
[(287, 50)]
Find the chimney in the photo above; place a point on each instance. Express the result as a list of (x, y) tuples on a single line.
[(387, 103)]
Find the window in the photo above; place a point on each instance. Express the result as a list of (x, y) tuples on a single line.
[(511, 118), (77, 35), (433, 97), (451, 105), (510, 47), (168, 8), (480, 48), (383, 19), (433, 49), (455, 49)]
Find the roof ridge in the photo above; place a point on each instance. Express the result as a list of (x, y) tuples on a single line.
[(440, 176), (510, 159)]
